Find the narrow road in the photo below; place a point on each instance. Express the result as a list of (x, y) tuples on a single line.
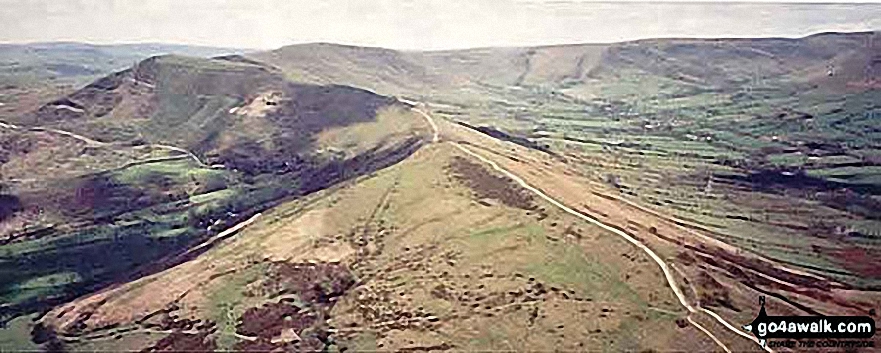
[(55, 131), (96, 143), (222, 235), (665, 268), (82, 138), (430, 121), (708, 333), (181, 150)]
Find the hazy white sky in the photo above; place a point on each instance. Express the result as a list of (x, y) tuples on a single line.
[(414, 24)]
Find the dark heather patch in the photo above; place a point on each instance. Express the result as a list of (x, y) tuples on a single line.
[(316, 285), (9, 205), (715, 293), (501, 135), (183, 342), (860, 261), (487, 185), (270, 320)]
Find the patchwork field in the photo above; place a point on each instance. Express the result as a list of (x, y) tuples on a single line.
[(635, 196), (437, 252)]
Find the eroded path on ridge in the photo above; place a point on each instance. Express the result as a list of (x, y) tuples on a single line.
[(665, 268)]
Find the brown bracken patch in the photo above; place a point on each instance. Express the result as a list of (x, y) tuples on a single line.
[(295, 325), (311, 282), (487, 185), (714, 293), (183, 342), (860, 261), (270, 320)]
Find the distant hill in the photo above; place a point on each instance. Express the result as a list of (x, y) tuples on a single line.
[(163, 155), (687, 64), (80, 63), (206, 105), (287, 200), (30, 74)]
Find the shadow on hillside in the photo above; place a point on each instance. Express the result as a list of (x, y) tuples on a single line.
[(98, 262), (9, 205), (848, 197), (119, 255), (304, 111)]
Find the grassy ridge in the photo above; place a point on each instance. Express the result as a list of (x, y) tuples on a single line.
[(84, 223)]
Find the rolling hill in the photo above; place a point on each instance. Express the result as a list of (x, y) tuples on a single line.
[(685, 63), (32, 74), (177, 149), (625, 196), (737, 111), (423, 255)]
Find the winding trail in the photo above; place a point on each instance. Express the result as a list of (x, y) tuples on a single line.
[(181, 150), (708, 333), (96, 143), (82, 138), (665, 268), (428, 118), (222, 235)]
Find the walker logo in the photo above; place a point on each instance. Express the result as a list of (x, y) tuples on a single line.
[(831, 327)]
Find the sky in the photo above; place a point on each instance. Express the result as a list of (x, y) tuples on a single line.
[(415, 24)]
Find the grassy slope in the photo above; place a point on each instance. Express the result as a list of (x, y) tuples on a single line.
[(635, 116), (662, 117), (422, 246), (32, 74), (89, 214)]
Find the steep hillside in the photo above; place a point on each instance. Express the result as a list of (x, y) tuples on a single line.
[(659, 65), (217, 108), (376, 69), (626, 196), (437, 252), (453, 75), (765, 145), (119, 179), (725, 64), (32, 74)]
